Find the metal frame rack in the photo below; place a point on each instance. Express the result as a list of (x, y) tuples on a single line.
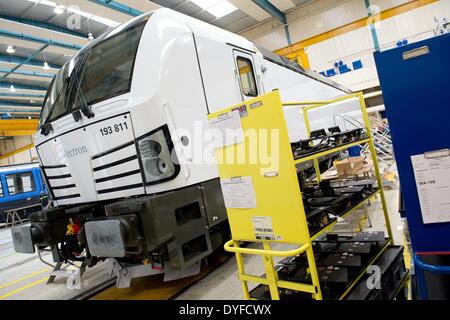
[(280, 181)]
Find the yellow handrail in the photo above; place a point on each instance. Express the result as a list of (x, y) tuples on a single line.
[(230, 247), (293, 104), (317, 104)]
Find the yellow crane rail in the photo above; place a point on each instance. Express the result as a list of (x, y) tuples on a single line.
[(10, 154)]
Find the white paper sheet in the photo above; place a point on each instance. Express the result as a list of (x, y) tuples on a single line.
[(262, 224), (432, 174), (238, 193), (229, 128)]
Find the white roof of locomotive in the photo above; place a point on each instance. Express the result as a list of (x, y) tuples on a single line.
[(207, 30)]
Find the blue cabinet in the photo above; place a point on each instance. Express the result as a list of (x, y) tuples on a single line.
[(415, 80)]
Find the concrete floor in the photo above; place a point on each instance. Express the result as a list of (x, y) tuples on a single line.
[(24, 276)]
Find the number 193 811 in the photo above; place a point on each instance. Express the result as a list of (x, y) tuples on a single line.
[(115, 128)]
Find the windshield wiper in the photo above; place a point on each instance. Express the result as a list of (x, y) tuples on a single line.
[(84, 106), (70, 84), (46, 127), (76, 81)]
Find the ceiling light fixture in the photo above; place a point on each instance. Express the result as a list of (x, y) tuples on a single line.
[(218, 8), (46, 66), (32, 101), (222, 9), (59, 9), (10, 49)]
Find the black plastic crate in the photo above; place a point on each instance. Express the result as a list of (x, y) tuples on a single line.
[(393, 273)]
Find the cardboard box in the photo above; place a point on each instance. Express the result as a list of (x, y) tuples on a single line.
[(349, 166)]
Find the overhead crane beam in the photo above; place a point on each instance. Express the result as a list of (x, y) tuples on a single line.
[(18, 125), (17, 133)]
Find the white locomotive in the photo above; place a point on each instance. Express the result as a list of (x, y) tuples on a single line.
[(108, 131)]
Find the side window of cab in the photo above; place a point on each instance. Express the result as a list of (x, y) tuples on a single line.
[(247, 77)]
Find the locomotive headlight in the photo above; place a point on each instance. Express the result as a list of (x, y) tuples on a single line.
[(158, 159)]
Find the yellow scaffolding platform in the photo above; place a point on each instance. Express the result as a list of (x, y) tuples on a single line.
[(260, 158)]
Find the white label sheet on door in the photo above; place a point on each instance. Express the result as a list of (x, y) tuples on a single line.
[(432, 174)]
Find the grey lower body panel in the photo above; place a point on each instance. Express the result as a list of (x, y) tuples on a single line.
[(183, 222)]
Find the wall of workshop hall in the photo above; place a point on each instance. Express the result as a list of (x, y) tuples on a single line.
[(334, 30), (8, 146)]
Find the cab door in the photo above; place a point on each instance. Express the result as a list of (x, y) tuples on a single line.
[(246, 75)]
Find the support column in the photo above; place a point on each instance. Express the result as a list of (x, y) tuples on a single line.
[(373, 30)]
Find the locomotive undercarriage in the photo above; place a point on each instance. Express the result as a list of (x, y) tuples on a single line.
[(168, 232)]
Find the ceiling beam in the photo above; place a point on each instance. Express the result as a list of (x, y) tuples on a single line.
[(19, 104), (180, 4), (252, 9), (141, 5), (272, 10), (276, 13), (19, 111), (29, 45), (30, 57), (285, 5), (22, 95), (43, 25), (117, 6), (31, 38), (27, 73), (30, 62), (88, 8), (19, 86)]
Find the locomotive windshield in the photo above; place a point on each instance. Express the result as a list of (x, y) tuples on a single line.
[(100, 71)]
